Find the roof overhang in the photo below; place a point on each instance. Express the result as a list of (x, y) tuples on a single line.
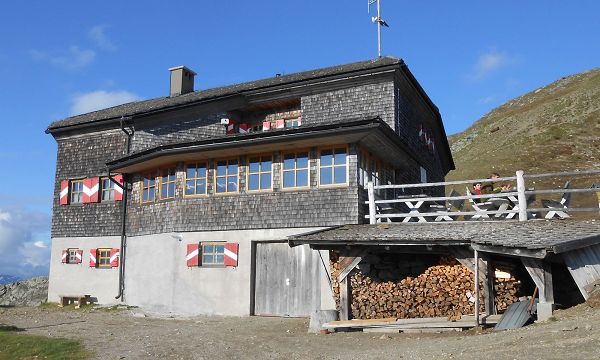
[(373, 134)]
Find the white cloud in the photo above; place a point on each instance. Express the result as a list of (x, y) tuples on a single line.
[(24, 239), (73, 59), (100, 38), (100, 99), (488, 63)]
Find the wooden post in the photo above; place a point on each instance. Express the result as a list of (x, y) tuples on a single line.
[(521, 196), (476, 288), (345, 299), (541, 274), (372, 212), (488, 286)]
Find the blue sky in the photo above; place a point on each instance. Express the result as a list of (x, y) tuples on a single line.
[(59, 58)]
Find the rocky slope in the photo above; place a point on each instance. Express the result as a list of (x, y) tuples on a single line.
[(30, 292)]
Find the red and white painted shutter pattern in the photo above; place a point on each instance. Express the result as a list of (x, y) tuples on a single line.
[(244, 128), (279, 124), (118, 189), (192, 255), (64, 192), (114, 257), (65, 254), (92, 257), (266, 125), (78, 256), (231, 127), (90, 190), (231, 254)]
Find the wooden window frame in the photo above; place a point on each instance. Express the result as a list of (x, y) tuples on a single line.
[(72, 255), (295, 170), (202, 253), (333, 166), (161, 182), (143, 187), (100, 257), (216, 177), (72, 191), (195, 179), (292, 121), (110, 190), (260, 172)]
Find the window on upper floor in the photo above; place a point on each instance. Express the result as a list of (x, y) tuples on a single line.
[(333, 166), (195, 178), (167, 184), (295, 170), (76, 191), (260, 170), (226, 177), (293, 122), (149, 187), (107, 187)]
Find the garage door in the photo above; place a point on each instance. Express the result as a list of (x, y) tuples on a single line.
[(286, 280)]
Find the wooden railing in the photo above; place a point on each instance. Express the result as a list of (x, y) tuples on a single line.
[(405, 207)]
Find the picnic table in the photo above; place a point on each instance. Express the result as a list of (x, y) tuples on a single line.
[(416, 207)]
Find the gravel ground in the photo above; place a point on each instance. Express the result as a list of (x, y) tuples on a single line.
[(127, 334)]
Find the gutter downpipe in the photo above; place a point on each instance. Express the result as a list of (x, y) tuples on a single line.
[(123, 248)]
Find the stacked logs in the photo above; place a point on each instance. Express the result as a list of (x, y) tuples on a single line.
[(441, 290)]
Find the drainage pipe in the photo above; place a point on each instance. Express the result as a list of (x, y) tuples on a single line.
[(124, 188)]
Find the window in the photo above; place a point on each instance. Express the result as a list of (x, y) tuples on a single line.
[(260, 172), (293, 122), (195, 179), (295, 170), (333, 166), (227, 176), (76, 191), (103, 257), (213, 254), (108, 189), (149, 188), (72, 256), (167, 184)]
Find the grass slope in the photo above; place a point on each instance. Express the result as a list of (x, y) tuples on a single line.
[(554, 128), (15, 345)]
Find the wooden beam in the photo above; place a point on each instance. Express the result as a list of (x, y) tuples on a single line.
[(476, 256), (541, 273), (344, 273), (488, 286), (345, 299), (520, 252)]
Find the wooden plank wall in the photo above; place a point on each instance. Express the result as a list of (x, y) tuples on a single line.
[(584, 266), (287, 280)]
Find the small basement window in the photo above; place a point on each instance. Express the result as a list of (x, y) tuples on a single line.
[(103, 257), (213, 254), (76, 191)]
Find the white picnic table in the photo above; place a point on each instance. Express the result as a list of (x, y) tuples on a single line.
[(414, 205)]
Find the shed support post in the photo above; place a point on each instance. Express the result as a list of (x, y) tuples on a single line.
[(372, 212), (476, 288), (345, 299), (488, 286), (541, 273)]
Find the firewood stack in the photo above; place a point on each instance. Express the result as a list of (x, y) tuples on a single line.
[(441, 290)]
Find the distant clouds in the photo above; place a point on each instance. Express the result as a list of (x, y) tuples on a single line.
[(24, 242), (76, 57), (488, 63), (100, 99)]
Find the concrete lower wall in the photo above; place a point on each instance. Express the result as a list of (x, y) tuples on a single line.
[(157, 278), (80, 279)]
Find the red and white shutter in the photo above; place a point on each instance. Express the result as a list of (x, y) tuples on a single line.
[(266, 125), (119, 189), (192, 255), (231, 127), (231, 254), (279, 124), (92, 257), (78, 256), (90, 190), (114, 257), (244, 128), (65, 254), (64, 192)]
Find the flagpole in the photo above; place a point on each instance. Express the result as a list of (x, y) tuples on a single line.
[(378, 29)]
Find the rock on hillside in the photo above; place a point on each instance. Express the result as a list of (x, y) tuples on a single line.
[(30, 292), (554, 128)]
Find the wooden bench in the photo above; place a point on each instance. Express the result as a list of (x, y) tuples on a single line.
[(70, 299)]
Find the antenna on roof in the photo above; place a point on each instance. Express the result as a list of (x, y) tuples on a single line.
[(377, 20)]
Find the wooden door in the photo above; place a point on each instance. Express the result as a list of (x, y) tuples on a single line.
[(286, 280)]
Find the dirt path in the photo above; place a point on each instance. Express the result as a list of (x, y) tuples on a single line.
[(123, 335)]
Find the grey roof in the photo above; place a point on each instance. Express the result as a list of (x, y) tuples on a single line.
[(140, 107), (550, 235)]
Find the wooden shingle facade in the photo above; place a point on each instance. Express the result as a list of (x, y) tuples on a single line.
[(246, 164)]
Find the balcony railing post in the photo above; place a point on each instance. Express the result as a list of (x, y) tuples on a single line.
[(521, 196), (372, 212)]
